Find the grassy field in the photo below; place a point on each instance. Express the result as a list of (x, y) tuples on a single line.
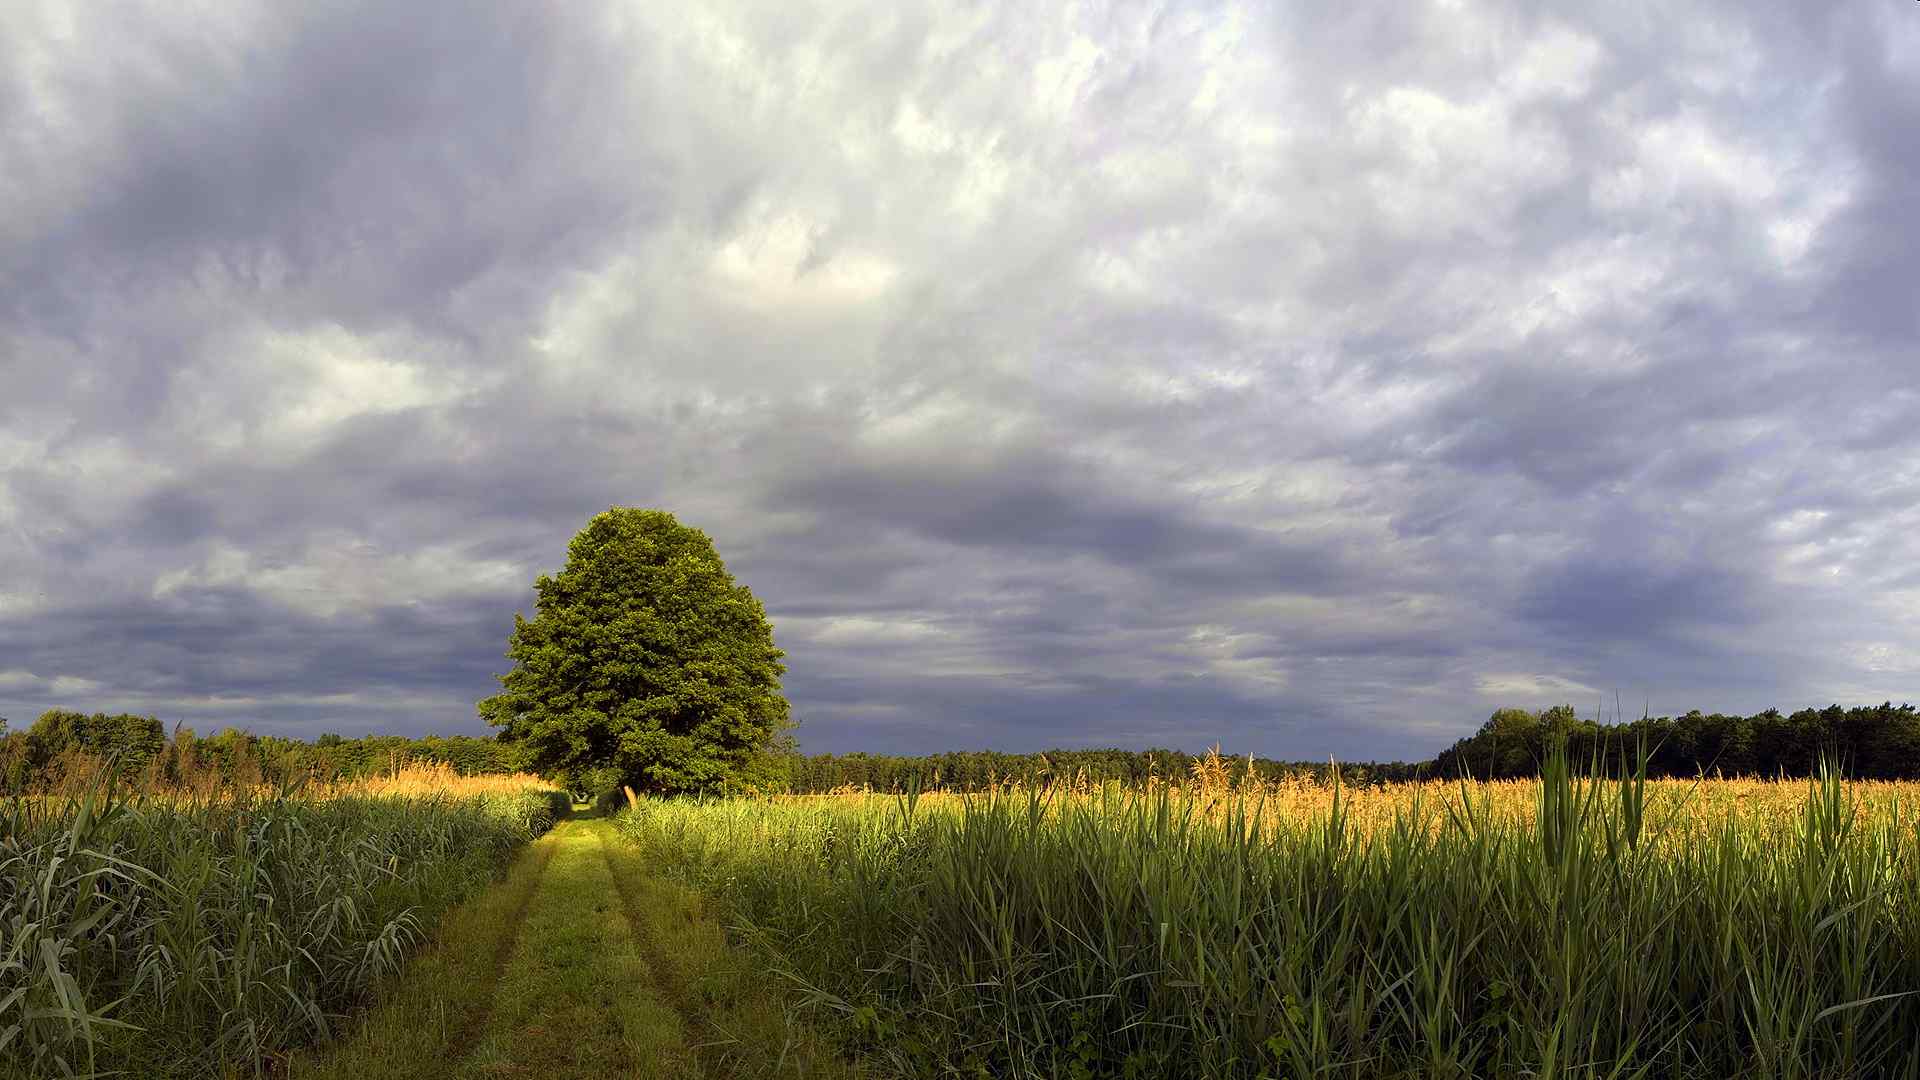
[(164, 936), (1565, 927), (582, 966)]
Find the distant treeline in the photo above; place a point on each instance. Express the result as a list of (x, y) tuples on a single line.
[(980, 770), (63, 747), (1871, 742)]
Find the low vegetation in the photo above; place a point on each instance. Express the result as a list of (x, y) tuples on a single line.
[(180, 935), (583, 965), (1565, 927)]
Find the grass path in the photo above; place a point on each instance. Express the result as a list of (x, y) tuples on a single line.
[(580, 965)]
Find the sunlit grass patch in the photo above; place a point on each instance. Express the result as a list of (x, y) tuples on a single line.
[(1567, 926)]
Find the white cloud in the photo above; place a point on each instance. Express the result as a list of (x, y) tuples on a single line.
[(65, 687), (786, 261), (866, 630), (1236, 657), (340, 574), (1890, 657), (1525, 689), (1007, 344)]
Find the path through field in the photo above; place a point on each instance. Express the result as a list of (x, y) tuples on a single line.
[(579, 964)]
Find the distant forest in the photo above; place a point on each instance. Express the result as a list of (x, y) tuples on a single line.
[(1877, 742), (1874, 742), (63, 747), (980, 770)]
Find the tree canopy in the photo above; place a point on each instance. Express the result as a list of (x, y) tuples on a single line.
[(1880, 742), (645, 664)]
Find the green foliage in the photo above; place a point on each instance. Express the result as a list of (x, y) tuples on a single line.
[(646, 656), (132, 741), (64, 750), (1880, 742)]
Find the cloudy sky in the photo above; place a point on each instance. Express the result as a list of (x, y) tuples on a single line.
[(1308, 378)]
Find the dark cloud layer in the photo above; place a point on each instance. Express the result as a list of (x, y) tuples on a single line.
[(1311, 382)]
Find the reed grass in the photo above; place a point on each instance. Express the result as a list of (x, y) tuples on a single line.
[(1574, 926), (430, 1016), (204, 936), (439, 778)]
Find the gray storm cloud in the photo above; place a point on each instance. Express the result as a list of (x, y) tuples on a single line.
[(1310, 381)]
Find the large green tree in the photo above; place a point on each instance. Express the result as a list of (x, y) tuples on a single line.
[(645, 661)]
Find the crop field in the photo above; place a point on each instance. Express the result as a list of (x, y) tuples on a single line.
[(1560, 927), (425, 923), (203, 936)]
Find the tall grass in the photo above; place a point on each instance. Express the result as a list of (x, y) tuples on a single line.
[(203, 936), (439, 778), (1570, 927)]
